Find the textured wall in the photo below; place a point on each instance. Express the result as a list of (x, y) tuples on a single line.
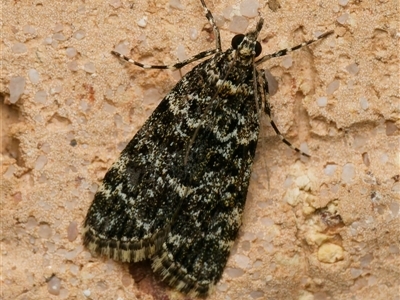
[(321, 228)]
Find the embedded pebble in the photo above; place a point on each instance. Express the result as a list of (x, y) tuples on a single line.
[(181, 53), (59, 37), (239, 24), (287, 62), (115, 3), (249, 8), (322, 101), (193, 33), (58, 28), (394, 209), (142, 22), (176, 4), (41, 161), (228, 13), (242, 261), (72, 232), (40, 97), (89, 67), (343, 2), (17, 87), (256, 294), (73, 66), (366, 260), (10, 172), (364, 103), (332, 87), (27, 29), (80, 34), (234, 272), (19, 48), (353, 69), (34, 76), (343, 19), (44, 231), (31, 223), (54, 285), (71, 52), (348, 173)]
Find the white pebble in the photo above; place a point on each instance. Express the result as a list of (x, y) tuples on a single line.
[(115, 3), (56, 90), (58, 28), (48, 40), (257, 294), (40, 97), (142, 22), (108, 108), (89, 67), (31, 223), (44, 231), (322, 101), (71, 52), (267, 221), (343, 19), (353, 69), (364, 103), (332, 87), (366, 260), (228, 13), (19, 48), (73, 66), (238, 24), (176, 4), (27, 29), (59, 37), (80, 34), (355, 272), (193, 33), (54, 285), (348, 173), (122, 48), (242, 261), (249, 8), (343, 2), (181, 53), (34, 76), (287, 62), (41, 161), (17, 87), (234, 272), (219, 20), (394, 209)]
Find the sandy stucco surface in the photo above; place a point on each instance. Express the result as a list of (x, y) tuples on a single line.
[(323, 228)]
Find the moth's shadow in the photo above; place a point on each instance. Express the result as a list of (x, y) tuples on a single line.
[(150, 283)]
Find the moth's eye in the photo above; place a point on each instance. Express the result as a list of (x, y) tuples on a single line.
[(237, 39), (258, 49)]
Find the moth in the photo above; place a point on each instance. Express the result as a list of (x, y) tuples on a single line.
[(177, 192)]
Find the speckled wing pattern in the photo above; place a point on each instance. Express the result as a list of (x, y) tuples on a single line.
[(177, 192)]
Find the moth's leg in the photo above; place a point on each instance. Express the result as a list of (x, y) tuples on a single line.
[(267, 110), (175, 66), (210, 19), (284, 52)]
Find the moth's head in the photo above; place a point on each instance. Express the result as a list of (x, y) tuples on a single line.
[(246, 44)]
